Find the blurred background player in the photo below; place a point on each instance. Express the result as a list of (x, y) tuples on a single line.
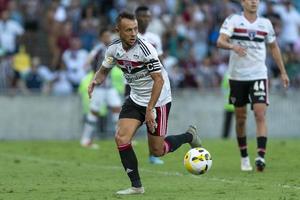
[(246, 35), (143, 16), (103, 95), (228, 108)]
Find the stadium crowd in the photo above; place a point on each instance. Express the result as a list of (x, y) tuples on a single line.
[(44, 44)]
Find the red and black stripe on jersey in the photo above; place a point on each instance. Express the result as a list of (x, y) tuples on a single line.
[(243, 34), (132, 67)]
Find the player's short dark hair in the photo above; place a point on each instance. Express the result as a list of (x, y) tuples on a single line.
[(102, 31), (125, 15), (141, 9)]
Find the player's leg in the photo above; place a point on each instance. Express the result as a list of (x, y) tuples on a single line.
[(239, 92), (125, 132), (227, 124), (159, 144), (261, 134), (241, 117), (113, 100), (89, 128), (259, 98), (90, 125), (130, 120), (152, 158)]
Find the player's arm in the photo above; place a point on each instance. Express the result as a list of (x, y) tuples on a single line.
[(98, 79), (276, 54), (156, 90), (224, 43)]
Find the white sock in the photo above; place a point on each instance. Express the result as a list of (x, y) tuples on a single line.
[(115, 118), (89, 129)]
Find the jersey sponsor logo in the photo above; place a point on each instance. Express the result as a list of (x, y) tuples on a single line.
[(134, 77)]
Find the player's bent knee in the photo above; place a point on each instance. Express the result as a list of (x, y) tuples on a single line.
[(121, 139)]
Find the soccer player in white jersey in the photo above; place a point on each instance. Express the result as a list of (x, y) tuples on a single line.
[(103, 95), (149, 100), (143, 16), (246, 36)]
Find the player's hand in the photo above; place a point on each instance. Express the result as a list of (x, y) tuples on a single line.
[(241, 51), (150, 120), (91, 87), (285, 80)]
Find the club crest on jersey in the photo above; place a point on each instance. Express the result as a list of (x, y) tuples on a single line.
[(251, 34), (128, 66)]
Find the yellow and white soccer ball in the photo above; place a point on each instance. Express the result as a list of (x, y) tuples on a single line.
[(197, 161)]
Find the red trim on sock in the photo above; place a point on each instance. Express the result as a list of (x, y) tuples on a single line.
[(243, 147), (261, 149), (123, 147), (166, 147)]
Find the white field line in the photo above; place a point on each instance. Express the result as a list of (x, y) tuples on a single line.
[(163, 173)]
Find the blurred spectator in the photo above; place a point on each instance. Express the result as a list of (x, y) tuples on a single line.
[(175, 74), (33, 79), (61, 86), (74, 15), (3, 5), (6, 73), (290, 23), (9, 33), (15, 13), (22, 61), (89, 27), (74, 59), (32, 9), (38, 78)]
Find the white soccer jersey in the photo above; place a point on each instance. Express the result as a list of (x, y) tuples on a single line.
[(137, 63), (153, 39), (253, 37)]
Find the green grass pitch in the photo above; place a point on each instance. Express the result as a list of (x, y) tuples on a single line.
[(55, 170)]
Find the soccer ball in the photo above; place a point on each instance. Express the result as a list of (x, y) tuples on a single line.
[(197, 161)]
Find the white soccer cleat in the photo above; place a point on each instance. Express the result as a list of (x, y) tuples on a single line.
[(132, 190), (89, 144), (260, 164), (245, 164)]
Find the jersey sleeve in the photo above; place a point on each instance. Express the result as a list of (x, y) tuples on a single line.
[(109, 61), (228, 26), (270, 37), (151, 60)]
